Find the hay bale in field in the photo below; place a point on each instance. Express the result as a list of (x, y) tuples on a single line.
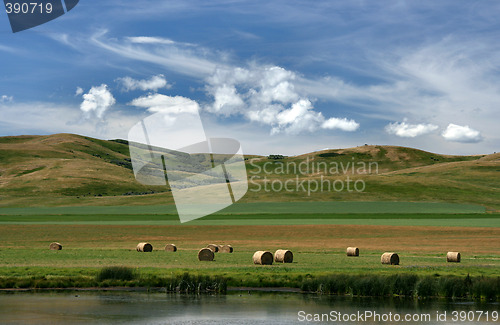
[(144, 247), (206, 254), (283, 256), (352, 251), (55, 246), (170, 248), (453, 257), (390, 258), (213, 247), (226, 249), (263, 258)]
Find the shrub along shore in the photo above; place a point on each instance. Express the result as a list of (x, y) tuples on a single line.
[(374, 285)]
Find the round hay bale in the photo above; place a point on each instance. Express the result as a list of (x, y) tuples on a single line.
[(226, 249), (352, 251), (206, 254), (144, 247), (283, 256), (453, 257), (55, 246), (263, 258), (171, 248), (390, 258), (213, 247)]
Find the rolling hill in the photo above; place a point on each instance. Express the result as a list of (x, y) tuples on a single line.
[(72, 170)]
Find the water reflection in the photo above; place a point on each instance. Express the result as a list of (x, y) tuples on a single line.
[(234, 308)]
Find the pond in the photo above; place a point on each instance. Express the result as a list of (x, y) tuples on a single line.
[(242, 307)]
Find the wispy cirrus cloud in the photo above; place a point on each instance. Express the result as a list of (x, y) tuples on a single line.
[(174, 56), (8, 49), (150, 40)]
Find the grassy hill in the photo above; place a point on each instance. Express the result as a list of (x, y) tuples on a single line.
[(65, 169), (70, 170)]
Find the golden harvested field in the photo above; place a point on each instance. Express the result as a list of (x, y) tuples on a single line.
[(412, 239)]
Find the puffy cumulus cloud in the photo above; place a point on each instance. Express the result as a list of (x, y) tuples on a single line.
[(97, 101), (166, 104), (407, 130), (298, 118), (458, 133), (154, 83), (267, 94), (226, 100), (6, 98), (266, 115), (79, 91), (340, 123)]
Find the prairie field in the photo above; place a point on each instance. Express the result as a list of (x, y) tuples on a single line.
[(318, 249), (82, 193)]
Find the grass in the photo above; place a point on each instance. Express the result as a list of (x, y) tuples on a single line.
[(81, 192), (104, 256), (265, 213), (318, 250), (70, 170), (374, 285), (116, 273), (303, 208), (408, 285)]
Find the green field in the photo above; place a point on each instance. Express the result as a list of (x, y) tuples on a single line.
[(268, 213), (82, 193), (265, 208), (319, 256)]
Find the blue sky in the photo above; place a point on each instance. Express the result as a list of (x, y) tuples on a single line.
[(283, 77)]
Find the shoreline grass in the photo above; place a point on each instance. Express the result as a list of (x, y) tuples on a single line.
[(407, 284)]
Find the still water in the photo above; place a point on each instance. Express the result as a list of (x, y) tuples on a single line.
[(234, 308)]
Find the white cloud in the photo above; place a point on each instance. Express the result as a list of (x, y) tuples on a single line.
[(150, 40), (267, 94), (444, 78), (405, 130), (257, 92), (154, 83), (226, 100), (79, 91), (97, 101), (180, 57), (8, 49), (6, 98), (342, 124), (458, 133), (166, 104), (298, 118)]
